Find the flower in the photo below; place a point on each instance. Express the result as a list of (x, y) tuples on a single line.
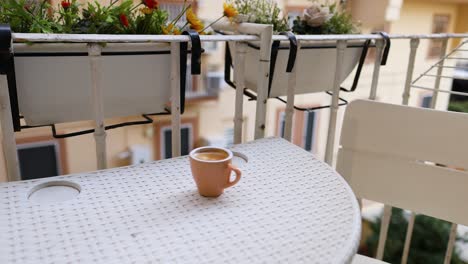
[(170, 29), (194, 21), (316, 15), (152, 4), (229, 10), (146, 10), (176, 31), (124, 20), (65, 4)]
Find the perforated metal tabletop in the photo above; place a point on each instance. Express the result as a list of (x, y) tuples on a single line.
[(288, 207)]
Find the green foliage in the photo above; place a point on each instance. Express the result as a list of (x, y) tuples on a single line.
[(151, 23), (339, 23), (262, 12), (27, 16), (428, 243), (458, 106)]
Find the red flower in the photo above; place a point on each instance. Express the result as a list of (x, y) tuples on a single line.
[(65, 4), (152, 4), (124, 20)]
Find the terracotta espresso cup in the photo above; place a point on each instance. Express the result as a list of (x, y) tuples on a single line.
[(211, 170)]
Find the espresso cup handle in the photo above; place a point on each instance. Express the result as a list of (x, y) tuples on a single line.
[(238, 175)]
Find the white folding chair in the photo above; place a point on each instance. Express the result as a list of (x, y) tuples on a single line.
[(411, 158)]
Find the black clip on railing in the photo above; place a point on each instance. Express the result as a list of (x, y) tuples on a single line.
[(7, 67), (362, 59), (195, 69), (195, 61), (147, 120)]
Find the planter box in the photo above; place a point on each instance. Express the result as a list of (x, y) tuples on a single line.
[(53, 81), (315, 67)]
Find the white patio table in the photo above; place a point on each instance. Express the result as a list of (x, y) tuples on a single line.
[(288, 207)]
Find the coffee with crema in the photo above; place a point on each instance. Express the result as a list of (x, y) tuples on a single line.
[(211, 155), (211, 170)]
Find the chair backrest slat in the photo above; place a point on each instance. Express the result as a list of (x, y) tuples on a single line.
[(389, 154)]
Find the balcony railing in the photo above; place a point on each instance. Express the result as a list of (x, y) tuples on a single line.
[(260, 34)]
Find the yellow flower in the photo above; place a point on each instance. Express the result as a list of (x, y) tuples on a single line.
[(170, 29), (146, 11), (229, 10), (197, 27), (194, 21), (167, 29)]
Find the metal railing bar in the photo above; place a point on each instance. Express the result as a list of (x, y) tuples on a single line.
[(94, 38), (439, 62), (451, 243), (447, 77), (456, 58), (330, 145), (414, 44), (443, 52), (454, 67), (100, 133), (384, 225), (409, 235), (442, 91)]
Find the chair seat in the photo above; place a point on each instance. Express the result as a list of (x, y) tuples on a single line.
[(360, 259)]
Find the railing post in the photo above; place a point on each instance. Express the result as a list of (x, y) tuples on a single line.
[(289, 113), (239, 66), (414, 43), (340, 50), (175, 98), (94, 52), (8, 135), (379, 44), (435, 93), (262, 82), (409, 235), (451, 243), (386, 218)]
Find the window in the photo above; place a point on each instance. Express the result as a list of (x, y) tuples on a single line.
[(309, 129), (162, 139), (214, 82), (426, 101), (229, 136), (186, 141), (174, 7), (440, 24), (303, 130), (210, 47), (281, 124), (39, 160)]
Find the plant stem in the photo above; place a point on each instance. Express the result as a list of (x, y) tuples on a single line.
[(112, 2), (184, 9), (135, 7), (212, 23), (186, 23)]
